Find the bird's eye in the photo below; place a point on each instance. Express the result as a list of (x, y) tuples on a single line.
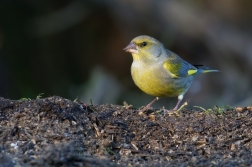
[(144, 44)]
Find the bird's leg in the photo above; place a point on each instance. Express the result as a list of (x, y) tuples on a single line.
[(180, 98), (149, 105), (176, 110)]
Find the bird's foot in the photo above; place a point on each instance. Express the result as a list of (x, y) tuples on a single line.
[(175, 111), (171, 112), (181, 107), (148, 106)]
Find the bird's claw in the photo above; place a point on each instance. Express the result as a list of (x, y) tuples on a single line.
[(171, 112)]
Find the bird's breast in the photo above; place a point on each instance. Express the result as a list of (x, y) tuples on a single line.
[(155, 80)]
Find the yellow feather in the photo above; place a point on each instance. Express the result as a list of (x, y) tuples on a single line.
[(191, 72), (172, 68)]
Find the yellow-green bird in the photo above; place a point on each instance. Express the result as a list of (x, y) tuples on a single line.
[(160, 72)]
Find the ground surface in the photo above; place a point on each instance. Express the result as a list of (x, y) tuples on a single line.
[(58, 132)]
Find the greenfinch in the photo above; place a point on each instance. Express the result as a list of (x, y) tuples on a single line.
[(160, 72)]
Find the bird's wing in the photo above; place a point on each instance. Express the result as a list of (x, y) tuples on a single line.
[(178, 67)]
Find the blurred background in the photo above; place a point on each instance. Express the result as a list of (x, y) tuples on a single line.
[(74, 48)]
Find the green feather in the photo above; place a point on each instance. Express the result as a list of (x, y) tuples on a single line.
[(191, 72), (178, 67), (173, 68), (206, 71)]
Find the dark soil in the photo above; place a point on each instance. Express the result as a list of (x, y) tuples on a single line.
[(59, 132)]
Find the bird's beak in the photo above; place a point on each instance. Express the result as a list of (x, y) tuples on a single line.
[(131, 48)]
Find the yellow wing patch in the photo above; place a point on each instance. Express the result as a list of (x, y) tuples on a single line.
[(173, 68), (191, 72)]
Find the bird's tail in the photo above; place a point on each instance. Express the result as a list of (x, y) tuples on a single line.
[(204, 69), (209, 70)]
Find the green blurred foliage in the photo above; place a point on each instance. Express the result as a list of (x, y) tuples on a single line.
[(74, 48)]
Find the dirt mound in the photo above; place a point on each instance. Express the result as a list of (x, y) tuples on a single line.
[(59, 132)]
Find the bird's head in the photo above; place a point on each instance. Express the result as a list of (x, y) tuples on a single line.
[(145, 48)]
